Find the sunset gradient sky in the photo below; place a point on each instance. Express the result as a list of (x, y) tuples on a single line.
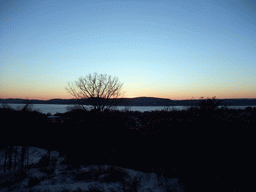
[(176, 49)]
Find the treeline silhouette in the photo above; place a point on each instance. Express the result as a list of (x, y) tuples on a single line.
[(206, 147)]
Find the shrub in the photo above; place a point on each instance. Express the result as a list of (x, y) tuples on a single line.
[(33, 181), (93, 189), (114, 174), (79, 190), (87, 176), (65, 190), (54, 161), (47, 170), (44, 161), (15, 178), (208, 104), (133, 185)]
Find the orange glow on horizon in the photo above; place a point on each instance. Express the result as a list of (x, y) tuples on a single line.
[(49, 97)]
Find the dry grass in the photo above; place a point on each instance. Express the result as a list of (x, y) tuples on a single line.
[(9, 179), (132, 185), (114, 174)]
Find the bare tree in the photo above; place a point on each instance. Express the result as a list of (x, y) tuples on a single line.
[(209, 103), (10, 151), (5, 105), (8, 154), (100, 91), (23, 151), (49, 154), (5, 156), (15, 157), (27, 107), (27, 155)]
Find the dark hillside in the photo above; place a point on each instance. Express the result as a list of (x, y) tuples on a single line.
[(139, 101), (208, 149)]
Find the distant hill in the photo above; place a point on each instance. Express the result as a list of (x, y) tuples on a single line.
[(138, 101)]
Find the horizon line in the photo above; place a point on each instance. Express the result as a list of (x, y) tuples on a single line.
[(133, 98)]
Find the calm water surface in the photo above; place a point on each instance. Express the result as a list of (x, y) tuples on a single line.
[(54, 108)]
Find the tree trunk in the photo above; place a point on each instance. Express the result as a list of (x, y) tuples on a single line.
[(10, 151), (49, 155), (15, 158), (26, 156), (23, 150), (5, 157)]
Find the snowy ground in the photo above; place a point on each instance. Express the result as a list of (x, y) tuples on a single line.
[(86, 178)]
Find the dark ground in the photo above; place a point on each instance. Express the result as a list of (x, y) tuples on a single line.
[(208, 149)]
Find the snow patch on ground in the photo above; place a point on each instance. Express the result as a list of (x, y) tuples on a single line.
[(63, 179)]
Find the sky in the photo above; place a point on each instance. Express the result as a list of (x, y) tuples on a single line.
[(176, 49)]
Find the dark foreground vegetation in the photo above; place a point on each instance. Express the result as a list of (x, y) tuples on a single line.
[(207, 148)]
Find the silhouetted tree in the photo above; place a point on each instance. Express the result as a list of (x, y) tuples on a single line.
[(15, 151), (100, 91), (5, 157), (27, 106), (8, 155), (49, 154), (5, 106), (209, 103), (27, 154), (23, 151), (10, 151)]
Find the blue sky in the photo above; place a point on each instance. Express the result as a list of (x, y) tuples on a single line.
[(172, 49)]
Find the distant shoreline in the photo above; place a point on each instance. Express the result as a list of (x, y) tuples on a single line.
[(139, 101)]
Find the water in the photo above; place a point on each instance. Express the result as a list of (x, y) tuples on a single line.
[(54, 108)]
